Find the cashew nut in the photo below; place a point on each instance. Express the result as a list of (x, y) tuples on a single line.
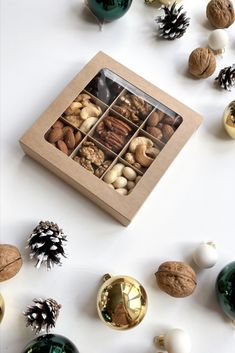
[(120, 182), (82, 96), (129, 173), (141, 156), (118, 168), (90, 111), (152, 152), (87, 124), (129, 157), (140, 140), (122, 191), (74, 119), (110, 176), (73, 109)]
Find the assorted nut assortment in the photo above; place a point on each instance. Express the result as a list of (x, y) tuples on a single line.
[(112, 132), (161, 125)]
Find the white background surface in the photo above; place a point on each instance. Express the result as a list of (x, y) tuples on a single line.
[(44, 44)]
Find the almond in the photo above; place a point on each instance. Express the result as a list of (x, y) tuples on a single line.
[(69, 139), (155, 117), (59, 124), (167, 132), (55, 134), (154, 131), (62, 147), (168, 120), (78, 138)]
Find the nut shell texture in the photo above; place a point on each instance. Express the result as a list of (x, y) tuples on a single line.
[(177, 279), (10, 261), (220, 13), (201, 63)]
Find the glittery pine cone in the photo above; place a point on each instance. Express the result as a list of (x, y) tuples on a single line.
[(47, 244), (42, 315), (226, 78), (173, 23)]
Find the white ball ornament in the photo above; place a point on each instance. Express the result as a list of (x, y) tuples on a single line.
[(205, 256), (218, 40), (175, 341)]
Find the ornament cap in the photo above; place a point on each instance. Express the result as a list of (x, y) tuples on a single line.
[(174, 341)]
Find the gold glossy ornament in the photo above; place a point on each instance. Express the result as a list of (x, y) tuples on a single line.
[(2, 307), (121, 302), (229, 119)]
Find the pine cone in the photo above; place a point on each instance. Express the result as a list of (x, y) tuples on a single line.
[(46, 244), (43, 315), (226, 78), (173, 23)]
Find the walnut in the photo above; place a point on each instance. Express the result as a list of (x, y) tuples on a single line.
[(220, 13), (100, 170), (92, 153), (84, 163), (201, 63), (10, 261), (176, 279)]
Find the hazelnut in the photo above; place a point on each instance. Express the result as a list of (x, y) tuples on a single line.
[(177, 279), (201, 63), (10, 261), (220, 13)]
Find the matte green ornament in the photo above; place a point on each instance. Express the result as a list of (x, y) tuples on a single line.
[(225, 290), (50, 343), (109, 10)]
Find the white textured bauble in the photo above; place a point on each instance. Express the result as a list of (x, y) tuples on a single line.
[(177, 341), (218, 39), (205, 256)]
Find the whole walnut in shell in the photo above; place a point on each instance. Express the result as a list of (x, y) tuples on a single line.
[(10, 261), (202, 63), (177, 279), (220, 13)]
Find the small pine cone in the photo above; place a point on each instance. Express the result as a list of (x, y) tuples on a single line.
[(173, 23), (43, 315), (226, 78), (47, 244)]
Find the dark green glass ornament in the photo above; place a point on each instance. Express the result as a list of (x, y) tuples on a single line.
[(225, 290), (109, 10), (50, 343)]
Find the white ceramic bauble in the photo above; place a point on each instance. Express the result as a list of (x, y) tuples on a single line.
[(218, 39), (205, 256), (176, 341)]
